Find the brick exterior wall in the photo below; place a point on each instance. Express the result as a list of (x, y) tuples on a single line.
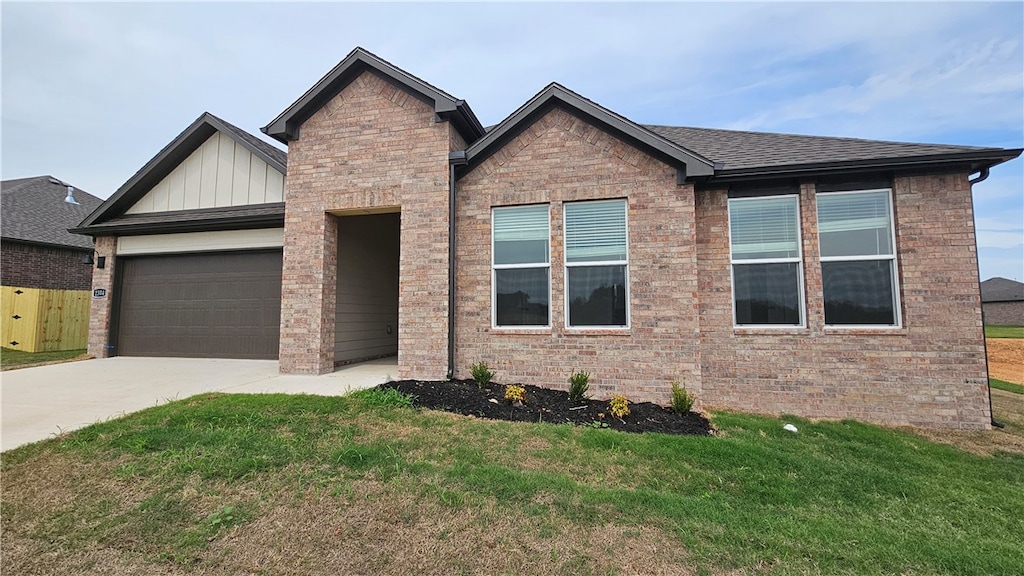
[(558, 159), (33, 266), (1004, 313), (101, 308), (373, 146), (930, 372)]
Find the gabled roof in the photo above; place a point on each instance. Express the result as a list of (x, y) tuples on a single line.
[(1002, 290), (285, 127), (170, 157), (556, 95), (738, 154), (33, 210)]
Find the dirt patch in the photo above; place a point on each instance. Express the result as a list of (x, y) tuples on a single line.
[(546, 405), (1006, 359), (381, 529), (1007, 408)]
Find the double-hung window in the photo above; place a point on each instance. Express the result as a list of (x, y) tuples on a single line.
[(521, 266), (767, 278), (858, 259), (596, 264)]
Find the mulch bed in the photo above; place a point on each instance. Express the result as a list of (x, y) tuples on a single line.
[(546, 405)]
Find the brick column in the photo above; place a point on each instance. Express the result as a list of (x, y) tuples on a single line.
[(308, 286), (100, 309)]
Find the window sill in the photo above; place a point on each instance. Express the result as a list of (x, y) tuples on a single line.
[(610, 331), (866, 331), (521, 331), (780, 331)]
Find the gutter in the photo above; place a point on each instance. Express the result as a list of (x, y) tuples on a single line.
[(974, 228), (456, 158), (981, 178)]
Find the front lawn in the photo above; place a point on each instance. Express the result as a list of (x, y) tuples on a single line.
[(1004, 331), (10, 359), (274, 484), (1008, 386)]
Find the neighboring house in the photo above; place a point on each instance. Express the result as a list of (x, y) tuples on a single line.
[(1002, 302), (36, 249), (826, 277)]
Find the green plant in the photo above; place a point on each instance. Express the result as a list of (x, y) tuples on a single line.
[(682, 400), (226, 516), (598, 424), (384, 398), (481, 373), (579, 386), (618, 406), (515, 393)]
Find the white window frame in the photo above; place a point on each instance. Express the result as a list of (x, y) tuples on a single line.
[(798, 259), (594, 264), (496, 267), (897, 315)]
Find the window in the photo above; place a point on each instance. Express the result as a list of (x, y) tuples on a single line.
[(596, 263), (858, 259), (767, 278), (521, 265)]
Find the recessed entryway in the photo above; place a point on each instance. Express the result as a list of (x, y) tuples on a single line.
[(366, 316)]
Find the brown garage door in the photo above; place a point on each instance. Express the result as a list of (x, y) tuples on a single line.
[(214, 305)]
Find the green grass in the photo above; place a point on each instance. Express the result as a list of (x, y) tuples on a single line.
[(1004, 331), (836, 498), (11, 358), (1008, 386)]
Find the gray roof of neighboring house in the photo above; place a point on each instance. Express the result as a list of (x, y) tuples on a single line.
[(33, 210), (739, 150), (1001, 290)]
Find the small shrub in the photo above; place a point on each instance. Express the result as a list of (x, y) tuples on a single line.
[(481, 373), (618, 406), (384, 398), (682, 400), (579, 386), (515, 393)]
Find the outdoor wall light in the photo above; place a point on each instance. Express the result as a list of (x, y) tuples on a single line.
[(101, 261)]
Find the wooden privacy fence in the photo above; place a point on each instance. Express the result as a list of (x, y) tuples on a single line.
[(35, 320)]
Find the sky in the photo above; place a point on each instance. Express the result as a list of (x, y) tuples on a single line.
[(92, 91)]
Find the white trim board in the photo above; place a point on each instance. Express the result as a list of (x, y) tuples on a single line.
[(201, 241)]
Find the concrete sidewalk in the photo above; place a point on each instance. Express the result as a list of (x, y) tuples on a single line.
[(38, 403)]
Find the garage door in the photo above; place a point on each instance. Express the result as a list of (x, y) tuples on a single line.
[(213, 305)]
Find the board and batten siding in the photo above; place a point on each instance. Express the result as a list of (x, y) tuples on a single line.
[(367, 294), (216, 240), (220, 173)]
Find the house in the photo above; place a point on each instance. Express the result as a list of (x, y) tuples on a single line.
[(36, 249), (826, 277), (1002, 302)]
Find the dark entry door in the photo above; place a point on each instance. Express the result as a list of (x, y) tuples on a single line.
[(212, 305)]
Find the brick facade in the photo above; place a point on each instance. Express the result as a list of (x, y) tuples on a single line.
[(931, 372), (45, 267), (374, 146), (101, 309), (1004, 313), (562, 158)]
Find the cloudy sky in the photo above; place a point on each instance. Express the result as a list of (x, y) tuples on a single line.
[(92, 91)]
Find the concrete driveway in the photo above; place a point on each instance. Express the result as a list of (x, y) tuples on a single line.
[(38, 403)]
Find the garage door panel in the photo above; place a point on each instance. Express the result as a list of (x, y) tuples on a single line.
[(214, 305)]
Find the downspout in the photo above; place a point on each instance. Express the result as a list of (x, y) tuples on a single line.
[(457, 158), (974, 228)]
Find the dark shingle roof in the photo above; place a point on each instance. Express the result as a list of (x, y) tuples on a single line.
[(738, 149), (270, 150), (34, 210), (1001, 290), (168, 158)]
